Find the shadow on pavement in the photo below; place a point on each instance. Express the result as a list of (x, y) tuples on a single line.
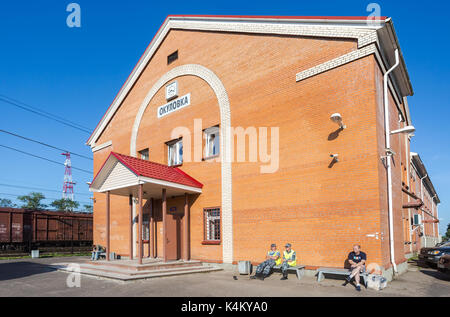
[(14, 270), (436, 274)]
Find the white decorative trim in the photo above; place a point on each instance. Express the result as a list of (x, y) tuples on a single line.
[(363, 35), (143, 180), (336, 62), (363, 32), (348, 58), (99, 147), (225, 141)]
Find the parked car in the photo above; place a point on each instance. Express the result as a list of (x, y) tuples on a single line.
[(431, 256), (444, 264)]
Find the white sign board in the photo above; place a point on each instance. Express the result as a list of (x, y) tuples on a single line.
[(174, 105)]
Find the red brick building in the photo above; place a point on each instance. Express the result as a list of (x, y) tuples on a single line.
[(423, 216), (239, 108)]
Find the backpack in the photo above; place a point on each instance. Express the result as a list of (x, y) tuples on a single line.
[(376, 282)]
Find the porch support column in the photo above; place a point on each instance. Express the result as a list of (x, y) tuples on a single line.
[(131, 227), (152, 229), (108, 246), (164, 216), (186, 230), (141, 186)]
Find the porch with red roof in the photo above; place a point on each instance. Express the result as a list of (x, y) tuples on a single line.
[(124, 175)]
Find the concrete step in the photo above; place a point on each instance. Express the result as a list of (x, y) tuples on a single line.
[(120, 270), (126, 276), (144, 267)]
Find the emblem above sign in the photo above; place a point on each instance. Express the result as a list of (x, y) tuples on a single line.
[(172, 90)]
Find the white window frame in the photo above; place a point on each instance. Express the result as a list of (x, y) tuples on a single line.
[(209, 146), (174, 157)]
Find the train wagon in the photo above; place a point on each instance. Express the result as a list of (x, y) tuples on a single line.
[(24, 229)]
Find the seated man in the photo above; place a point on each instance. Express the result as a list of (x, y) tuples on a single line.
[(289, 259), (96, 252), (357, 260), (272, 259)]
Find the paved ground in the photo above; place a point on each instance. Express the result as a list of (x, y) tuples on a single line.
[(33, 277)]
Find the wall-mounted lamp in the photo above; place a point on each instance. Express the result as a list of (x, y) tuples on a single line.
[(337, 118), (409, 129)]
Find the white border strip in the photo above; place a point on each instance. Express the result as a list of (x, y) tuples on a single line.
[(101, 146)]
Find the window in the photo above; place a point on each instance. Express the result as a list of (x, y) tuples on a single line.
[(145, 226), (144, 154), (212, 144), (175, 152), (172, 57), (212, 224)]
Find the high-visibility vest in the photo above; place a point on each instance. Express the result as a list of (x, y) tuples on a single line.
[(288, 256), (277, 262)]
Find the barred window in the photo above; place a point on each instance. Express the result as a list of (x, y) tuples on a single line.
[(212, 224)]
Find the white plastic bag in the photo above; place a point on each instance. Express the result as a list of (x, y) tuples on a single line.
[(376, 282)]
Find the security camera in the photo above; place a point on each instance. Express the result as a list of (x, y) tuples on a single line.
[(337, 118), (334, 156)]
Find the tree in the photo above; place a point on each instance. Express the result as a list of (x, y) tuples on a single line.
[(32, 201), (6, 203), (88, 208), (446, 237), (65, 204)]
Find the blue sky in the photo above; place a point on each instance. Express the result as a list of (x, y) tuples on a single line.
[(76, 72)]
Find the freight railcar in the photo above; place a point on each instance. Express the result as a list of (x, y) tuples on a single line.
[(24, 229)]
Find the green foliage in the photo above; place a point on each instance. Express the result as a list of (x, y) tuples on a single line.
[(6, 203), (88, 208), (446, 237), (32, 200), (65, 204)]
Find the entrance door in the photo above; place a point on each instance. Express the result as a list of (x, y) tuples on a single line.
[(174, 229), (173, 236)]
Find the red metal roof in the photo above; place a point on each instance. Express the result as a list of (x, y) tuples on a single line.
[(154, 170)]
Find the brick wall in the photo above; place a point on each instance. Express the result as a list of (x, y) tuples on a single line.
[(321, 209)]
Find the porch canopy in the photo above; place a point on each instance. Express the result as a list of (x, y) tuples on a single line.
[(124, 175)]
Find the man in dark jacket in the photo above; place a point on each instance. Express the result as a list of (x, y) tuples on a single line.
[(357, 260)]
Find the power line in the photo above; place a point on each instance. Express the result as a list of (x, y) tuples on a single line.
[(38, 188), (43, 158), (46, 198), (43, 113), (45, 144)]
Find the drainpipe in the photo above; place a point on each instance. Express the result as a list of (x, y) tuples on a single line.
[(437, 217), (388, 161), (423, 214), (434, 225)]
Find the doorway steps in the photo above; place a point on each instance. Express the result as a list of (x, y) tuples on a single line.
[(129, 270)]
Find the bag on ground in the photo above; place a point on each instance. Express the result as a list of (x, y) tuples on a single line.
[(376, 282)]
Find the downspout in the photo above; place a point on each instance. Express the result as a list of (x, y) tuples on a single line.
[(437, 217), (408, 182), (434, 224), (423, 214), (388, 161)]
